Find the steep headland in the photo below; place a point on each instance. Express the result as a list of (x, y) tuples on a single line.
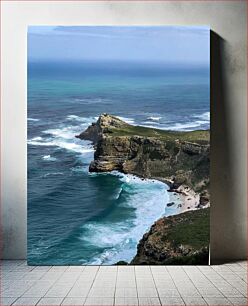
[(179, 239), (180, 159)]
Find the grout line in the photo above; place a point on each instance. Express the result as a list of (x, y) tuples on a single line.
[(193, 282), (115, 283), (72, 284), (175, 285), (155, 286), (228, 282), (136, 286), (97, 271), (211, 281)]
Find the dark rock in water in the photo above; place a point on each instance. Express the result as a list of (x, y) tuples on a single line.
[(179, 205), (204, 200), (121, 263), (167, 242), (170, 204)]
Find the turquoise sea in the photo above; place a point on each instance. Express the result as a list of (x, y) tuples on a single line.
[(76, 217)]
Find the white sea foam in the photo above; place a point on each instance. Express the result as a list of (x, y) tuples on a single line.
[(53, 173), (37, 138), (89, 100), (154, 126), (148, 198), (126, 119), (188, 126), (33, 119), (151, 123), (205, 116), (154, 118), (49, 158), (83, 120), (202, 120), (64, 137)]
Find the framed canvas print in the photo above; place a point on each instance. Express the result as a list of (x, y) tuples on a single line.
[(118, 145)]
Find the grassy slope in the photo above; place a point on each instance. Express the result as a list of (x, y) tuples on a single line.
[(193, 230), (200, 136)]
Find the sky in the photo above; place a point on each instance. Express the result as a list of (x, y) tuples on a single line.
[(161, 44)]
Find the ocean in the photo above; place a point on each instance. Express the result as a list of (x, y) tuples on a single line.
[(76, 217)]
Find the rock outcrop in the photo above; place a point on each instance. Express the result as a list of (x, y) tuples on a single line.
[(163, 155), (179, 239), (181, 159), (103, 126)]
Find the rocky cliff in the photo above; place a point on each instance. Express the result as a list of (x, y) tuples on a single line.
[(179, 239), (181, 159), (103, 126), (174, 157)]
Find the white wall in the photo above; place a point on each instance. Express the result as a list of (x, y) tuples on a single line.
[(229, 96)]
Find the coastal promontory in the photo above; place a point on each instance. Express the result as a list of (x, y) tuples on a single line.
[(181, 160)]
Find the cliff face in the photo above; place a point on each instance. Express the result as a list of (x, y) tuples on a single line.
[(179, 239), (103, 126), (155, 154), (180, 159)]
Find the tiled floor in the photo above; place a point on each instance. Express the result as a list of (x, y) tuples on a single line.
[(123, 285)]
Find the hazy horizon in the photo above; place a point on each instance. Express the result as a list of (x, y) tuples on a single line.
[(167, 45)]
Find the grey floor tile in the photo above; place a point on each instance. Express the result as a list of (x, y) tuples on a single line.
[(79, 291), (27, 301), (102, 292), (125, 283), (99, 301), (38, 290), (189, 293), (126, 292), (147, 292), (41, 268), (73, 301), (58, 291), (75, 269), (194, 301), (166, 301), (5, 301), (75, 285), (229, 291), (142, 282), (217, 301), (50, 301), (210, 292), (149, 301), (122, 301), (166, 292), (239, 301)]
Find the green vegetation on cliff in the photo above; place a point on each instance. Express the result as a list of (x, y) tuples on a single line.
[(200, 136), (192, 229), (178, 158), (179, 239)]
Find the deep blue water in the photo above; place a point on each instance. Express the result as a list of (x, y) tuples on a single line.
[(79, 218)]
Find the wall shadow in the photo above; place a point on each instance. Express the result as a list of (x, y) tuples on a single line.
[(223, 227)]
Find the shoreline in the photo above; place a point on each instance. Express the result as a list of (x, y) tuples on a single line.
[(155, 155), (189, 199)]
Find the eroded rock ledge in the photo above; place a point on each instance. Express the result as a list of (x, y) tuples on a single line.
[(174, 157), (179, 239), (181, 159)]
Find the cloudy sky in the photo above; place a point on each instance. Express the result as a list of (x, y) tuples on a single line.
[(165, 44)]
